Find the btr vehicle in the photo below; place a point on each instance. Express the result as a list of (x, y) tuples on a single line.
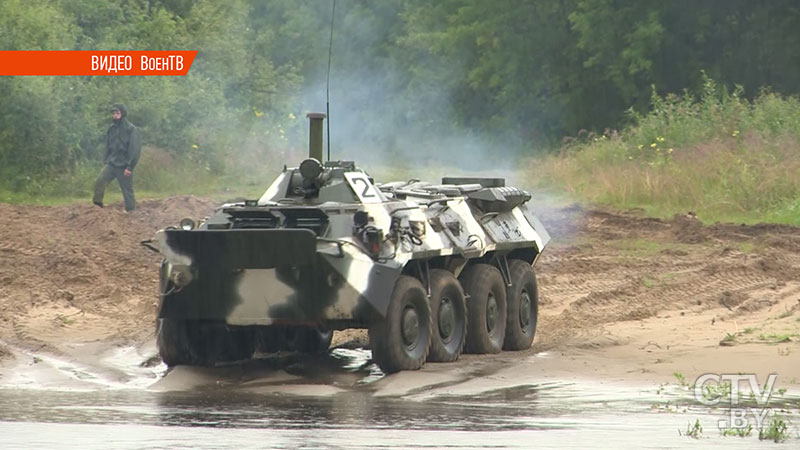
[(430, 270)]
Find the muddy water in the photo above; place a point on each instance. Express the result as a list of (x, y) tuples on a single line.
[(554, 416), (133, 411)]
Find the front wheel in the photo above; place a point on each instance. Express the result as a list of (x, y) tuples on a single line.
[(173, 342), (196, 343), (400, 340)]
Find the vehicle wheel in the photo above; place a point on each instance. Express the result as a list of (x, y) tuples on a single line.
[(173, 342), (486, 309), (310, 340), (448, 317), (523, 306), (210, 343), (400, 341), (270, 339), (238, 344)]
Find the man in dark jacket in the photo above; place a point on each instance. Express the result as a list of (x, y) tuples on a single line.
[(123, 147)]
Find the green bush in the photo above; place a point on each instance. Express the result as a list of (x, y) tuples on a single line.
[(719, 155)]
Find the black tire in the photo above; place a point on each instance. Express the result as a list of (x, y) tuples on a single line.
[(310, 340), (214, 342), (238, 344), (486, 309), (270, 339), (400, 341), (172, 342), (194, 343), (523, 306), (448, 317)]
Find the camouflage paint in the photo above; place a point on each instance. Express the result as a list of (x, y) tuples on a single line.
[(295, 257)]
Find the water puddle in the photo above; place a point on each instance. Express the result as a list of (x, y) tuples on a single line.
[(519, 418), (336, 401)]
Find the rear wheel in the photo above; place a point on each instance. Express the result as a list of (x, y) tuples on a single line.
[(448, 317), (486, 309), (523, 306), (310, 340), (400, 340)]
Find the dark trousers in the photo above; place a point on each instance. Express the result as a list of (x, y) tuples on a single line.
[(108, 173)]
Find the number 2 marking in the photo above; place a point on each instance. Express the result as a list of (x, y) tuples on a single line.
[(366, 192)]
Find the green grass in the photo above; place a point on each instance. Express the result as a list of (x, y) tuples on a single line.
[(216, 189), (645, 247), (693, 430), (641, 246), (777, 338), (738, 432), (649, 283), (712, 392), (776, 431), (720, 156), (158, 175), (748, 247), (660, 280)]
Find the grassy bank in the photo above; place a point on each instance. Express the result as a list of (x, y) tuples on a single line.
[(157, 175), (720, 156)]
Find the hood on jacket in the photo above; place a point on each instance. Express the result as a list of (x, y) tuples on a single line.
[(121, 108)]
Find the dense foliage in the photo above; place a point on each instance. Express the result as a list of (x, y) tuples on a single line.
[(720, 156), (417, 75)]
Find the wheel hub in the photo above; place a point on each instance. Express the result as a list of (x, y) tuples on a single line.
[(525, 310), (410, 327), (447, 318), (491, 313)]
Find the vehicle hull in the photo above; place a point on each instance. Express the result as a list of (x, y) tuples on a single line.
[(266, 277)]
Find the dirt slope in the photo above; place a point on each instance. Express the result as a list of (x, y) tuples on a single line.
[(607, 267), (78, 273)]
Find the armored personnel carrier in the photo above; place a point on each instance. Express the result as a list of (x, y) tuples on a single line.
[(430, 270)]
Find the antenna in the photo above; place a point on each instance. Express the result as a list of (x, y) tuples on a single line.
[(328, 82)]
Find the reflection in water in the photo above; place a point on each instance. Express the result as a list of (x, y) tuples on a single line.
[(547, 416), (221, 409), (351, 410), (137, 419)]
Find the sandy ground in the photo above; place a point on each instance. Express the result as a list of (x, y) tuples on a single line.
[(623, 298)]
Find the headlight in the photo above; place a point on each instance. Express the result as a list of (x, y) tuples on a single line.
[(180, 275), (187, 224)]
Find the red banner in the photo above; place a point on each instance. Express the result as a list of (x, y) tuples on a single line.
[(101, 62)]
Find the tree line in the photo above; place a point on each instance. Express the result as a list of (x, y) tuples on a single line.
[(518, 74)]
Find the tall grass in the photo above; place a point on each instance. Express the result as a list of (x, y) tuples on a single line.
[(720, 156)]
